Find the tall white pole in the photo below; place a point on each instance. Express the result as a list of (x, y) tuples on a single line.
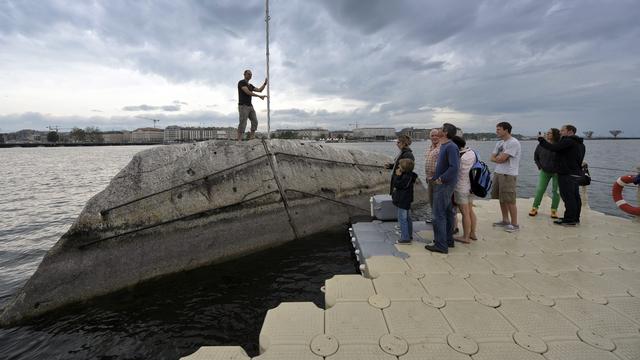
[(266, 19)]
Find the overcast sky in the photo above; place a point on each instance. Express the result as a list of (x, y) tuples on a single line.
[(334, 63)]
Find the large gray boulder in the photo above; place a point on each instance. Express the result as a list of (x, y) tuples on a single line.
[(178, 207)]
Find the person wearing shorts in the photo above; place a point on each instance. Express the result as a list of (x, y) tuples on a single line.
[(462, 192), (506, 155), (245, 109)]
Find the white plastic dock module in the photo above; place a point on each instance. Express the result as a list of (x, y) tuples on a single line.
[(544, 293)]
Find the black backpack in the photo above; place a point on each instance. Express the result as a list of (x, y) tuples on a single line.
[(480, 177)]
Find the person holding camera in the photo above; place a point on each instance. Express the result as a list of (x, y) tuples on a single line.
[(570, 152)]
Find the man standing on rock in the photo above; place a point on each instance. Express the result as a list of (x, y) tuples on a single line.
[(245, 109)]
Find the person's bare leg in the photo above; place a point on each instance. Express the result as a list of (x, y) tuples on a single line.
[(513, 211), (466, 224), (505, 212), (474, 222)]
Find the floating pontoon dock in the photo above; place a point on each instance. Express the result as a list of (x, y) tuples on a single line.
[(545, 292)]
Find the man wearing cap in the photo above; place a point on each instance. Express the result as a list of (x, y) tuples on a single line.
[(245, 109)]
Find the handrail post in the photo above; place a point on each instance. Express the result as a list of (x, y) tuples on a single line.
[(584, 197), (637, 218)]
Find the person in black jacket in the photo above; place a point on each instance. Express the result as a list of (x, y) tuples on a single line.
[(570, 152), (403, 143), (402, 196), (546, 162)]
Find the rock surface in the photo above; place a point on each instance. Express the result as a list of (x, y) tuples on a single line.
[(179, 207)]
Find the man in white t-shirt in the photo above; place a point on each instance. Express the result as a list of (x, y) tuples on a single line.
[(506, 155)]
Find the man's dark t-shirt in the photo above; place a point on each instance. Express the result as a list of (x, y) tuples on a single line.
[(243, 98)]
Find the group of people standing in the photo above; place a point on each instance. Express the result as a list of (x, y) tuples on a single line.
[(448, 161)]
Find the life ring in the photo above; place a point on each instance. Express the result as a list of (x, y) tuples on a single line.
[(616, 192)]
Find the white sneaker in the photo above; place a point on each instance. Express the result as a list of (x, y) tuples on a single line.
[(511, 228)]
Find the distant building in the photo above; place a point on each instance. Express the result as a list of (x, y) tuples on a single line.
[(3, 138), (310, 133), (116, 137), (147, 135), (415, 134), (172, 134), (177, 134), (374, 133), (27, 136), (341, 134)]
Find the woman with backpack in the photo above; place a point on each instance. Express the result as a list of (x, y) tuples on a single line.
[(546, 162), (462, 192)]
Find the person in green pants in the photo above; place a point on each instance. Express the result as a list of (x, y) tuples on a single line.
[(546, 162)]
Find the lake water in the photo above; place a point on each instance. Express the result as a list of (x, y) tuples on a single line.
[(42, 191)]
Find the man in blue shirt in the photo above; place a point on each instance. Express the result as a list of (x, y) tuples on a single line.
[(444, 181)]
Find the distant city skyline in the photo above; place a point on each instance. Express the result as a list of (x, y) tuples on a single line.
[(408, 63)]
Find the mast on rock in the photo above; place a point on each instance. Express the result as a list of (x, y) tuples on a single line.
[(266, 20)]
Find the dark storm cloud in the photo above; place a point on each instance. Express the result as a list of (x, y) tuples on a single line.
[(531, 61)]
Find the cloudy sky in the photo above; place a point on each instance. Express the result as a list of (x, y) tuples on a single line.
[(334, 63)]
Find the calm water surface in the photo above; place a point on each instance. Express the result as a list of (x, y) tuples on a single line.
[(42, 191)]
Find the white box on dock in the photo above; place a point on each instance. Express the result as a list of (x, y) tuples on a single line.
[(382, 208)]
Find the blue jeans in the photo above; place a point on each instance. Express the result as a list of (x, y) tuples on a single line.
[(443, 216), (406, 225)]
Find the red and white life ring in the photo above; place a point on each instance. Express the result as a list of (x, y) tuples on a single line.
[(616, 192)]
